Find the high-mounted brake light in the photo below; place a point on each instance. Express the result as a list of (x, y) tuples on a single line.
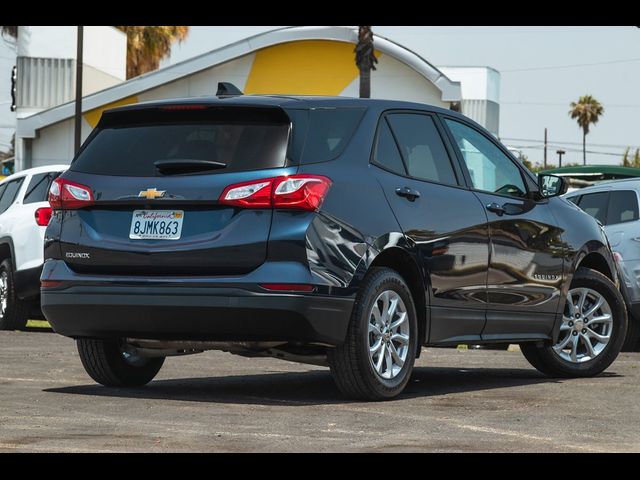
[(43, 216), (299, 192), (67, 195), (183, 107)]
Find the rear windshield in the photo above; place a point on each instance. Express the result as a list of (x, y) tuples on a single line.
[(131, 144)]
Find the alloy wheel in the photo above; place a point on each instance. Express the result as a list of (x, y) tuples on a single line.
[(587, 324), (388, 335)]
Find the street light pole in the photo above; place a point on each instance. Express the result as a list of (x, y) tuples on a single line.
[(545, 148), (560, 153), (78, 113)]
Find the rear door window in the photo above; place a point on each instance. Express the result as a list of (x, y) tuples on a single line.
[(9, 194), (595, 204), (623, 207), (38, 189), (422, 148)]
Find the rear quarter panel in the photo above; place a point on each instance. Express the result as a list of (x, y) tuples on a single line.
[(355, 222)]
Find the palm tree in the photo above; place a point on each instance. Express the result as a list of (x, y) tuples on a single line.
[(587, 110), (365, 60), (147, 46)]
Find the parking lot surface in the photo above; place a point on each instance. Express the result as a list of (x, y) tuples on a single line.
[(457, 401)]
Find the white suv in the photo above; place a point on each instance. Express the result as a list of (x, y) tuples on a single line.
[(24, 216)]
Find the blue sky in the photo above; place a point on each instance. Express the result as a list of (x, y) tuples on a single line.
[(542, 70)]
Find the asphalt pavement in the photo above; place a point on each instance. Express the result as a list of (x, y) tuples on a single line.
[(457, 401)]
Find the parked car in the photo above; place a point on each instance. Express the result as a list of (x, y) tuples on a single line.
[(335, 231), (615, 205), (24, 215)]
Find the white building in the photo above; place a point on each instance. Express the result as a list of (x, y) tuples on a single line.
[(296, 60)]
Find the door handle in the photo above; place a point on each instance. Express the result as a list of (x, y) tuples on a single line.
[(408, 193), (495, 208)]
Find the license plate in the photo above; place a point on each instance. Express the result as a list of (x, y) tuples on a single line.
[(156, 224)]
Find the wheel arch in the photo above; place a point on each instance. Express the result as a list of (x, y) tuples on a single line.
[(6, 250), (596, 256), (403, 262)]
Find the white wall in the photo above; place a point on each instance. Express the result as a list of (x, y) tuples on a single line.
[(54, 144), (105, 49), (47, 41), (94, 80), (394, 80), (478, 83)]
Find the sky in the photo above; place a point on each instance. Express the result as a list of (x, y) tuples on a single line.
[(543, 69)]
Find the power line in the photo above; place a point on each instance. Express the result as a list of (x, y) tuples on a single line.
[(575, 65), (566, 104), (539, 147), (537, 140)]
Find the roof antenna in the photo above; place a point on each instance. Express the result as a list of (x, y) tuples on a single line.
[(227, 89)]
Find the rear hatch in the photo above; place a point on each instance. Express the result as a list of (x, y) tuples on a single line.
[(156, 175)]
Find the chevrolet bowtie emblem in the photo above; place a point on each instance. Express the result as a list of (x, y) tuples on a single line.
[(151, 193)]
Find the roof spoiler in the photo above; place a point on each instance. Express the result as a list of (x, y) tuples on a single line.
[(226, 89)]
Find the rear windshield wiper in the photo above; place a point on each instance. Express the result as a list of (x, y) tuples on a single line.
[(187, 165)]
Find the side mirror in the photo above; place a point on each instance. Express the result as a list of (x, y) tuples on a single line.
[(552, 185)]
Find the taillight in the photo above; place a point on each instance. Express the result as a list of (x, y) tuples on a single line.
[(305, 192), (43, 216), (66, 195), (299, 192)]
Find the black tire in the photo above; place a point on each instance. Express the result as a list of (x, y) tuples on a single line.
[(352, 371), (632, 340), (105, 362), (16, 313), (544, 358)]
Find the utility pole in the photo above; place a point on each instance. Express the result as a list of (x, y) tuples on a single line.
[(78, 114), (545, 148), (560, 153)]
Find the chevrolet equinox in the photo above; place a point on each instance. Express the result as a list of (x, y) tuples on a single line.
[(332, 231)]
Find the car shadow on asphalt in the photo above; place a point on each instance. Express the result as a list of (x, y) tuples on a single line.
[(314, 387)]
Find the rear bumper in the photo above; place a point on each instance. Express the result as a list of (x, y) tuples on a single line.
[(195, 313)]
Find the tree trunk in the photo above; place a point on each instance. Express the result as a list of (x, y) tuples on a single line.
[(365, 83), (584, 148)]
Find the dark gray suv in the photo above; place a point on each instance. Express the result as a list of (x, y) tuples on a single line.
[(333, 231)]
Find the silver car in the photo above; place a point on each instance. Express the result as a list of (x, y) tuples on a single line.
[(615, 205)]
